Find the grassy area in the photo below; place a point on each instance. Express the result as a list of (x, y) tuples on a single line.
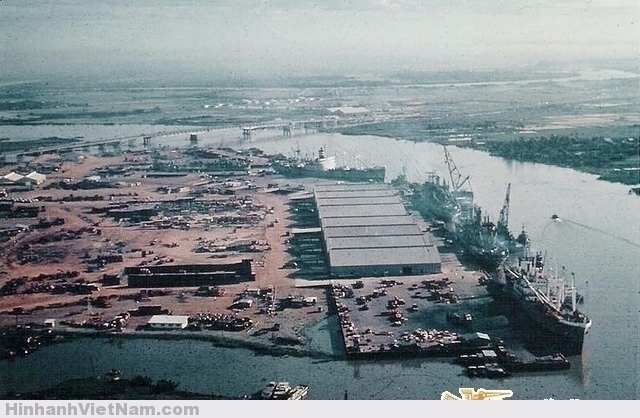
[(614, 159), (612, 153)]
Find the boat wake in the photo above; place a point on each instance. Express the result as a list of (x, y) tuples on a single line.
[(601, 231)]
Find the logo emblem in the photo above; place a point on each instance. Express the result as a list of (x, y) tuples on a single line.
[(469, 394)]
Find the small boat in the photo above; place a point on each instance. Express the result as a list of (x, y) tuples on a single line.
[(284, 391), (113, 375), (299, 392), (281, 391), (267, 392)]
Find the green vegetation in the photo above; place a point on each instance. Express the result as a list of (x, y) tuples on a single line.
[(612, 159), (612, 153)]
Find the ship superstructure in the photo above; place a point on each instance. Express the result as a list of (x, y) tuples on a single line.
[(325, 167)]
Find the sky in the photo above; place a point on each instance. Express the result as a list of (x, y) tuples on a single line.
[(298, 37)]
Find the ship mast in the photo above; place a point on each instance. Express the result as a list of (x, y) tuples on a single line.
[(573, 292)]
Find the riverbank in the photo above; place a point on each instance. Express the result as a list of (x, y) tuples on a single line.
[(613, 158), (611, 153), (109, 387)]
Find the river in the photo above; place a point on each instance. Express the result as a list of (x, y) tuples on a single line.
[(598, 239)]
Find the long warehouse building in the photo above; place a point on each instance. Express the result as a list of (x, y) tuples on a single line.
[(367, 232)]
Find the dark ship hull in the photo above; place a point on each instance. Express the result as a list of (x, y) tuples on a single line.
[(371, 174), (565, 327), (324, 167), (487, 258)]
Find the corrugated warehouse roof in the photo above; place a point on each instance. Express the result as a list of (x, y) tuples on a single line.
[(370, 230), (361, 211), (13, 176), (351, 188), (371, 257), (354, 201), (168, 319), (342, 222), (301, 196), (389, 241), (367, 230), (348, 110), (299, 231), (37, 177), (337, 194)]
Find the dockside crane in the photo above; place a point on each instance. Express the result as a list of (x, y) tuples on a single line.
[(503, 221), (454, 173), (463, 198)]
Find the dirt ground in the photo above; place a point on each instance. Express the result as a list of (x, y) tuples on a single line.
[(172, 246)]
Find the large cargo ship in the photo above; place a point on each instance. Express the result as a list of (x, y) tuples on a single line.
[(325, 168), (545, 299), (477, 239)]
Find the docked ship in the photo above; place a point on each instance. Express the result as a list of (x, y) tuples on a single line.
[(488, 244), (325, 167), (432, 199), (545, 299), (475, 237), (480, 243)]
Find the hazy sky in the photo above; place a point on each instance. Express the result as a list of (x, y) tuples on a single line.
[(281, 37)]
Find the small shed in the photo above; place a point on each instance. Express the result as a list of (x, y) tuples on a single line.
[(168, 321), (50, 323)]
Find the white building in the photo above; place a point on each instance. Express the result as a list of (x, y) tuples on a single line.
[(168, 321), (348, 111), (36, 177), (12, 179)]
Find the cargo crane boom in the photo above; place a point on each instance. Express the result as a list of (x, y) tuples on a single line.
[(503, 221), (463, 198), (454, 173)]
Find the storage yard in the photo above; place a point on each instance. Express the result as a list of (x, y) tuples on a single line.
[(248, 256)]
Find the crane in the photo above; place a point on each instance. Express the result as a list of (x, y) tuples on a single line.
[(454, 173), (463, 198), (503, 221)]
